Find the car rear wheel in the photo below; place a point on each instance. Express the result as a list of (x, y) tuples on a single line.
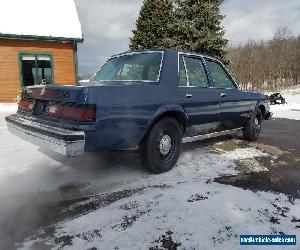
[(252, 128), (160, 149)]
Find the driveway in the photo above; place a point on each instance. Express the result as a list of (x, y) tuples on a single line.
[(219, 189), (280, 138)]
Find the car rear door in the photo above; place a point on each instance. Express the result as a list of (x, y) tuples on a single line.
[(234, 104), (199, 100)]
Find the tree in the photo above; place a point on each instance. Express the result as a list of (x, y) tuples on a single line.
[(267, 65), (153, 24), (198, 28)]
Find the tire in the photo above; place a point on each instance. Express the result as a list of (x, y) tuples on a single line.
[(252, 128), (160, 149)]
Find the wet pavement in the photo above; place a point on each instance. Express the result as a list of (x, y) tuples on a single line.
[(282, 138), (22, 215)]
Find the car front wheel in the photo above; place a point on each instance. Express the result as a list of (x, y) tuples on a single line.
[(160, 148), (253, 126)]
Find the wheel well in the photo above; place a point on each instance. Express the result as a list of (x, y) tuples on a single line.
[(263, 110), (180, 118)]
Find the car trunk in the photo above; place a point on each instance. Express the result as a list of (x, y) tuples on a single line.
[(60, 103), (56, 93)]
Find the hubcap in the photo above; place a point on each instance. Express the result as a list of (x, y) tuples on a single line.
[(165, 144)]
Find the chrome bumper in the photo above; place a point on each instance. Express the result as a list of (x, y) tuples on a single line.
[(63, 141)]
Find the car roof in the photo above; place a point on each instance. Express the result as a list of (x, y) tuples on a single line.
[(166, 51)]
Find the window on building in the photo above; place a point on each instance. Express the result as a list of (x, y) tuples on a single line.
[(36, 69)]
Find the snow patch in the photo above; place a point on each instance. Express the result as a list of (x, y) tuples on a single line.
[(290, 110), (195, 215), (56, 18), (8, 107), (244, 153)]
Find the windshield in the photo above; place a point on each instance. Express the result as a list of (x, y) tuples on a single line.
[(131, 67)]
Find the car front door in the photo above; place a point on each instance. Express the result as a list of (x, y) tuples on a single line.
[(199, 100), (234, 104)]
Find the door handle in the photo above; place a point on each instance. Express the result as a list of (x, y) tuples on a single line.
[(188, 95), (222, 95)]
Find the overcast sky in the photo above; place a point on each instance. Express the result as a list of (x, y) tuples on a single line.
[(107, 24)]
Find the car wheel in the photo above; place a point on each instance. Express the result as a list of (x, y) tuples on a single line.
[(160, 149), (252, 128)]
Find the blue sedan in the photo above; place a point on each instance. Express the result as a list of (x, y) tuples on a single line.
[(151, 100)]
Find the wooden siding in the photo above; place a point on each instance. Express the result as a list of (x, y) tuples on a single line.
[(10, 83)]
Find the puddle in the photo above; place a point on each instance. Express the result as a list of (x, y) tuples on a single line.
[(263, 181), (272, 150), (261, 167)]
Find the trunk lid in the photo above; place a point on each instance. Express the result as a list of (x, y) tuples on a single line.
[(57, 93)]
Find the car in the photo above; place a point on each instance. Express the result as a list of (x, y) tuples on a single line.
[(276, 98), (151, 101)]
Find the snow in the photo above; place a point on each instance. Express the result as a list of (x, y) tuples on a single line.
[(290, 110), (214, 221), (48, 18), (245, 153), (8, 107), (199, 213), (184, 204)]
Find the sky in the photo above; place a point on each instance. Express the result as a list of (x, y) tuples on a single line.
[(107, 25)]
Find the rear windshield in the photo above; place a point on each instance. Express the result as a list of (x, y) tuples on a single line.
[(131, 67)]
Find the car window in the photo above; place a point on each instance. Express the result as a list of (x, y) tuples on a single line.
[(182, 73), (130, 71), (194, 75), (131, 67), (219, 75)]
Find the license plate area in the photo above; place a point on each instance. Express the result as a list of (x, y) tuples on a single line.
[(40, 107)]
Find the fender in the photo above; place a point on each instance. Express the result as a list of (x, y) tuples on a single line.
[(164, 110), (262, 103), (259, 103)]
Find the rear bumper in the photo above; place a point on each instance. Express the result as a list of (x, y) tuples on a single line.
[(63, 141)]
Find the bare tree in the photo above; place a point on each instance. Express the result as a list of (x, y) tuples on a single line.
[(267, 65)]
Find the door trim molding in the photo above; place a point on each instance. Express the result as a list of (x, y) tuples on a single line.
[(210, 135)]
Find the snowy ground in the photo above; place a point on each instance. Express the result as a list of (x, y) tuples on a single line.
[(290, 110), (107, 201)]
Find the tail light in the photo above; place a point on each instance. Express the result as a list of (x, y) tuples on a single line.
[(26, 105), (78, 113)]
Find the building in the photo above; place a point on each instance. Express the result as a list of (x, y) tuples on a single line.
[(38, 44)]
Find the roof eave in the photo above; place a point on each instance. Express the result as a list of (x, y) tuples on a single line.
[(41, 38)]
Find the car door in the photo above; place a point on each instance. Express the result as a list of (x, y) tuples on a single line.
[(199, 101), (234, 104)]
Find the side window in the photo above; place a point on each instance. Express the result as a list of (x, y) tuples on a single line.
[(219, 75), (182, 73), (195, 72), (130, 71)]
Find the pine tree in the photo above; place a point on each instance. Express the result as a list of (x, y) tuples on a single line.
[(153, 25), (198, 28)]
